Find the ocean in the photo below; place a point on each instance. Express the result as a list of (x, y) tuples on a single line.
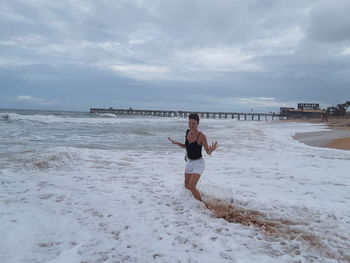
[(81, 187)]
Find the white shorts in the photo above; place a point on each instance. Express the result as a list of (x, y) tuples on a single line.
[(195, 166)]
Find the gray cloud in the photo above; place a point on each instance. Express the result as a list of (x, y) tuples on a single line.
[(33, 100), (235, 52), (329, 22)]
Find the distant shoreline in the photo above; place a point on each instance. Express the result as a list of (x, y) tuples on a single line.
[(337, 137)]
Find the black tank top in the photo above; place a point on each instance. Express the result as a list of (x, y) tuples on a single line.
[(193, 149)]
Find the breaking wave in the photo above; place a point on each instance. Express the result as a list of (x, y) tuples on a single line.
[(58, 158), (87, 119)]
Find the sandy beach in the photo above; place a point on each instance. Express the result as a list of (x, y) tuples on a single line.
[(337, 137)]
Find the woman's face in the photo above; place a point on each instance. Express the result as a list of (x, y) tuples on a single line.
[(192, 124)]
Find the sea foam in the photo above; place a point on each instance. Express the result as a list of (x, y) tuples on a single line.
[(112, 192)]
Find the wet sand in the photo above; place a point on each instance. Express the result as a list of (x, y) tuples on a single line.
[(331, 138), (274, 227), (340, 143), (337, 137)]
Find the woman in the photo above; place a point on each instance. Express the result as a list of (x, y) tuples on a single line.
[(194, 162)]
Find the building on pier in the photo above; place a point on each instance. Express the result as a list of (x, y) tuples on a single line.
[(304, 111)]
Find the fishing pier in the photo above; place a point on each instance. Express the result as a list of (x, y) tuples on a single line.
[(184, 114)]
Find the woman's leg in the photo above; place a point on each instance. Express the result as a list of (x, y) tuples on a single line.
[(187, 180), (192, 186)]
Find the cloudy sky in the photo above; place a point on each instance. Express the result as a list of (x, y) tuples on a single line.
[(222, 55)]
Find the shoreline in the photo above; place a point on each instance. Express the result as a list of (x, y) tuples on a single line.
[(337, 137)]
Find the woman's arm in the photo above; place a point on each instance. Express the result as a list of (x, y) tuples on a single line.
[(208, 148), (177, 143)]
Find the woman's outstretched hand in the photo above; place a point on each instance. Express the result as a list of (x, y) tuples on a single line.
[(176, 143), (213, 146), (171, 140)]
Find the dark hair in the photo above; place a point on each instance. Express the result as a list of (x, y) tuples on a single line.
[(194, 116)]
